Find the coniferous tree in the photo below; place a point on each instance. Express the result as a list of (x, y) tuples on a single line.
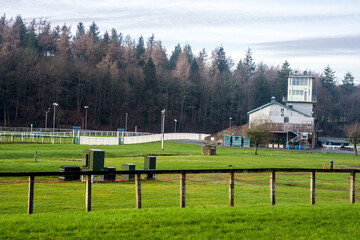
[(261, 88), (328, 77), (249, 65), (140, 49), (280, 85), (348, 82), (94, 30), (174, 56)]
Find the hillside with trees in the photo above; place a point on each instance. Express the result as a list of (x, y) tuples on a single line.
[(114, 74)]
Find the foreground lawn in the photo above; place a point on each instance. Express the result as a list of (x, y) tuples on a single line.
[(20, 157), (260, 222)]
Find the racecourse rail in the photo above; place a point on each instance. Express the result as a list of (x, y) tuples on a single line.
[(182, 181), (94, 138)]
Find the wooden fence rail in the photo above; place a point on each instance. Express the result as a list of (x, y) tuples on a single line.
[(183, 173)]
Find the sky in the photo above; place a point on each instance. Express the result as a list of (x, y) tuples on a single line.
[(309, 34)]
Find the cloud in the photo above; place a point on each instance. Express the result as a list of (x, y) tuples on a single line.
[(340, 45)]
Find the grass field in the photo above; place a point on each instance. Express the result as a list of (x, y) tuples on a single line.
[(205, 216), (261, 222)]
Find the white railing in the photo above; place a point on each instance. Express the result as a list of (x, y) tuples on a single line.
[(141, 139)]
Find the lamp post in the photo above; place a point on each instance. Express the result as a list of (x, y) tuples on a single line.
[(162, 128), (126, 117), (46, 113), (55, 105), (175, 124), (86, 108), (230, 118), (82, 122)]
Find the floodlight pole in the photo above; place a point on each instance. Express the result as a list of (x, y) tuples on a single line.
[(175, 124), (230, 118), (162, 128), (126, 121), (82, 122), (55, 105), (86, 108), (46, 113)]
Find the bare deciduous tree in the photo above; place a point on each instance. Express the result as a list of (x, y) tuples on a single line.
[(259, 132), (353, 132)]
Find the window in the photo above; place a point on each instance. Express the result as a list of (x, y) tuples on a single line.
[(286, 119)]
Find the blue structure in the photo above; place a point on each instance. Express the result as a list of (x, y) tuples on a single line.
[(246, 142), (227, 140), (236, 140)]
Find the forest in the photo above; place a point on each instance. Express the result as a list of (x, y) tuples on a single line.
[(123, 79)]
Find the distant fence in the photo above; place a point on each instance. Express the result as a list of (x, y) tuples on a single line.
[(88, 137), (229, 178), (140, 139), (36, 137)]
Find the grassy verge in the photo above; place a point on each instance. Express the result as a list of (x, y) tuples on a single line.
[(263, 222)]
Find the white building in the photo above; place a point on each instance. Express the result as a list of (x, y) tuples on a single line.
[(295, 119), (281, 117), (300, 93)]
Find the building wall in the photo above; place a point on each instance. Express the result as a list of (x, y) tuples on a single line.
[(303, 107), (278, 114), (300, 88)]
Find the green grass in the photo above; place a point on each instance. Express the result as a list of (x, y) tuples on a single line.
[(261, 222), (59, 207), (20, 157)]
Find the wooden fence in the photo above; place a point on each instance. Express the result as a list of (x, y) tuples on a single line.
[(182, 174)]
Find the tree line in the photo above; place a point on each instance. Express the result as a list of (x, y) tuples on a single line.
[(116, 75)]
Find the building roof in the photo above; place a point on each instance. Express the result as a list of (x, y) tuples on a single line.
[(281, 105)]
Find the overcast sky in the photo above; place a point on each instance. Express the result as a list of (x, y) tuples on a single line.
[(309, 34)]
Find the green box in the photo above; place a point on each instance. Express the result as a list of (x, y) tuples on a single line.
[(128, 167), (149, 162), (93, 160)]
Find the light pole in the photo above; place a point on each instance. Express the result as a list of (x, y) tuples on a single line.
[(46, 113), (126, 117), (55, 105), (82, 122), (86, 108), (162, 128), (175, 124), (230, 118)]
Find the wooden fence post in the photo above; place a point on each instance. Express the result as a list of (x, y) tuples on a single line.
[(312, 188), (31, 195), (138, 190), (88, 194), (182, 189), (231, 189), (272, 187), (352, 187)]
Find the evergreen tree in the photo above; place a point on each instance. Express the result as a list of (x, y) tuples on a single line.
[(328, 77), (221, 60), (174, 56), (19, 29), (140, 50), (94, 30), (80, 30), (188, 53), (30, 39), (261, 89), (249, 64), (280, 85), (348, 82)]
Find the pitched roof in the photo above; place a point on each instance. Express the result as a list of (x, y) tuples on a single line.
[(281, 105)]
